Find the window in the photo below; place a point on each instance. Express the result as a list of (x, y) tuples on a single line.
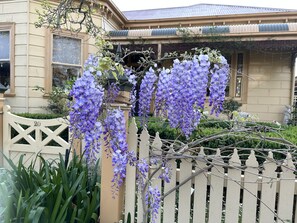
[(66, 60), (239, 73), (6, 57), (237, 85), (67, 57)]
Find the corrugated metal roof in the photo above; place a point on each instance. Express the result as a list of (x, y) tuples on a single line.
[(206, 30), (197, 10)]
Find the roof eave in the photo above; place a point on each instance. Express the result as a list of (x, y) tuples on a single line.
[(230, 37), (235, 18)]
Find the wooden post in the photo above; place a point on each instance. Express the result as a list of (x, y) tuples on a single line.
[(111, 209), (1, 128)]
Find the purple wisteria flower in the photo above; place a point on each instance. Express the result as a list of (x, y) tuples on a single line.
[(162, 93), (147, 88), (219, 80), (88, 98), (181, 93), (113, 92), (132, 79), (115, 136), (153, 201), (166, 172), (142, 172)]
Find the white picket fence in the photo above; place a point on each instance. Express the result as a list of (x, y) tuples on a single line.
[(215, 194), (31, 137)]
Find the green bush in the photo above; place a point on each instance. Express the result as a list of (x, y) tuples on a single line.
[(229, 106), (53, 194), (210, 127), (40, 115), (58, 98)]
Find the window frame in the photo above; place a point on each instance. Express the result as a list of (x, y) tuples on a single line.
[(10, 27), (83, 37), (233, 74)]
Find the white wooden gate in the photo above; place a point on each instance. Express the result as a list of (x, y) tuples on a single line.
[(32, 137), (217, 194)]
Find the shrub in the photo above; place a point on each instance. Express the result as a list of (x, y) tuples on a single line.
[(230, 106), (53, 194), (210, 127), (39, 115)]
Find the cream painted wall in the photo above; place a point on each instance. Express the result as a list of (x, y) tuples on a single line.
[(269, 85), (30, 54), (38, 57), (15, 11)]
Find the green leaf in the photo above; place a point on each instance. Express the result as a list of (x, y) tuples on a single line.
[(19, 204), (35, 215), (72, 220), (115, 75), (57, 205), (63, 211)]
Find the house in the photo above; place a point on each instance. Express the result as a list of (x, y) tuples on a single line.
[(31, 56), (259, 43)]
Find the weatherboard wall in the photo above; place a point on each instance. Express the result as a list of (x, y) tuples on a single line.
[(15, 12)]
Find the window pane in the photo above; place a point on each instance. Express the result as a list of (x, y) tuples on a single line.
[(5, 73), (239, 74), (66, 50), (62, 74), (238, 87), (4, 45)]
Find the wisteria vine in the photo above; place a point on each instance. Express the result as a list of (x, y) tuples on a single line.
[(180, 94)]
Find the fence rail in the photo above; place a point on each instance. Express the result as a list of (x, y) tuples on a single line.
[(216, 192)]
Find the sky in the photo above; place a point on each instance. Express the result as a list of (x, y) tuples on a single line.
[(126, 5)]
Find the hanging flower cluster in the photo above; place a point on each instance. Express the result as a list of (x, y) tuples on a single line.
[(153, 200), (88, 95), (115, 136), (147, 88), (219, 81), (87, 117), (181, 92)]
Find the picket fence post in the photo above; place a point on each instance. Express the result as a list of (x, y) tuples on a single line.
[(233, 188), (130, 193), (144, 147)]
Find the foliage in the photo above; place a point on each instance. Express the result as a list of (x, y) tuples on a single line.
[(40, 115), (54, 193), (230, 106), (57, 99), (209, 127)]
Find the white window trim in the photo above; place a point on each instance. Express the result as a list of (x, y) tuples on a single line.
[(10, 27), (49, 50)]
